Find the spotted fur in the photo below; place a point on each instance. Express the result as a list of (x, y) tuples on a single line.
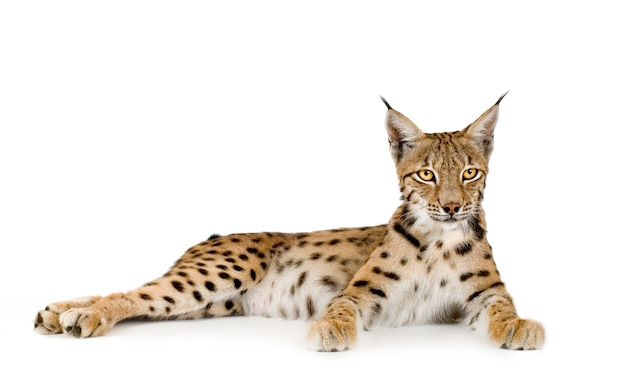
[(431, 263)]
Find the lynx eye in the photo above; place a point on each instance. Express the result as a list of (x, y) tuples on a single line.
[(470, 173), (426, 175)]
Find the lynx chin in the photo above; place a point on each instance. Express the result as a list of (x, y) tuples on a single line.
[(431, 263)]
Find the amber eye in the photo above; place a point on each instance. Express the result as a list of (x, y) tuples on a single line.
[(426, 175), (470, 173)]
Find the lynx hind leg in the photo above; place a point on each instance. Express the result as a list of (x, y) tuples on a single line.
[(47, 321), (208, 280)]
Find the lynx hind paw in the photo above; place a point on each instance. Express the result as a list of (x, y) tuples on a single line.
[(331, 336), (83, 323), (518, 334), (47, 321)]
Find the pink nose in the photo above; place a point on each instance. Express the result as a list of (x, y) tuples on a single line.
[(451, 208)]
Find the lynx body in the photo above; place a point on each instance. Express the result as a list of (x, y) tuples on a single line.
[(430, 263)]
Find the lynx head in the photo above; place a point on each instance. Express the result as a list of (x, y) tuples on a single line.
[(442, 175)]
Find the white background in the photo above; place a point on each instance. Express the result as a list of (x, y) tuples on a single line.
[(131, 130)]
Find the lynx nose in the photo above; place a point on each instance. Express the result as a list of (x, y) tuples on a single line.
[(451, 208)]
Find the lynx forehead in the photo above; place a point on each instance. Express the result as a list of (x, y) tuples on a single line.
[(430, 263)]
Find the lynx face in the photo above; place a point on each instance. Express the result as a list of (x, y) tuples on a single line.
[(444, 180), (442, 175)]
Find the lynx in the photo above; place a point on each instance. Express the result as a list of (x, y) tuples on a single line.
[(430, 264)]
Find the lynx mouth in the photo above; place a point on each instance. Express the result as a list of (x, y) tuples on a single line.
[(447, 219)]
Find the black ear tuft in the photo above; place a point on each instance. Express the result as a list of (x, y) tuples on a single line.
[(502, 97), (386, 103)]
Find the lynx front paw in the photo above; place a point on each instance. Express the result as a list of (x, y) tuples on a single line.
[(332, 335), (518, 334)]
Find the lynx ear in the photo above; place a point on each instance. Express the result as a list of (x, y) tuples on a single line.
[(481, 130), (403, 134)]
